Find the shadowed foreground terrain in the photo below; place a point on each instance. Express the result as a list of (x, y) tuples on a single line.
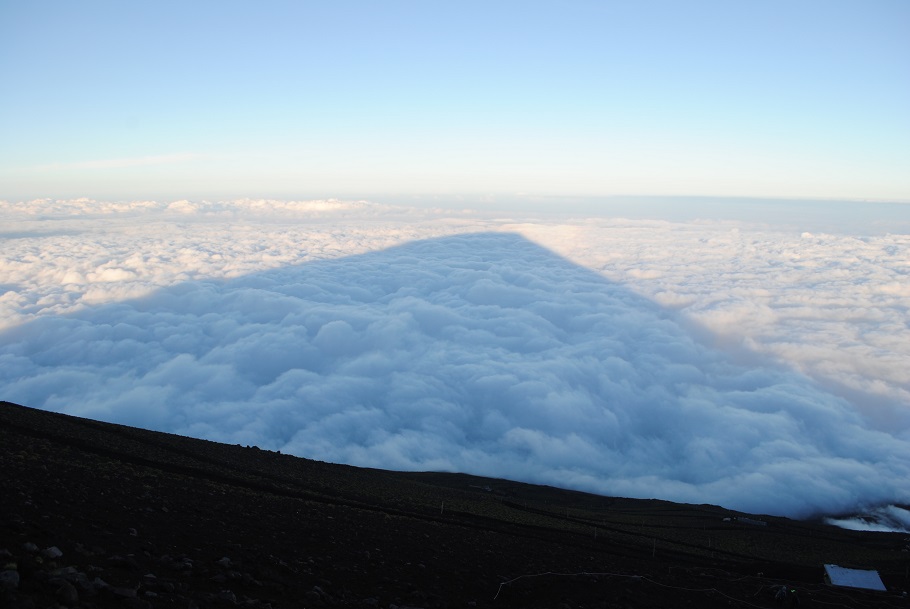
[(101, 515)]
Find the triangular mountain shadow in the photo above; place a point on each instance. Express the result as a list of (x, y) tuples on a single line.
[(483, 353)]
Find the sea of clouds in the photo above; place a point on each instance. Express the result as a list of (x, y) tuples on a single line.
[(760, 368)]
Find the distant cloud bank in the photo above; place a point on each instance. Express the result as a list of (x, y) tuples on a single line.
[(711, 362)]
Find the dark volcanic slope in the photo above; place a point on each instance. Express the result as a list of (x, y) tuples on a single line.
[(146, 519)]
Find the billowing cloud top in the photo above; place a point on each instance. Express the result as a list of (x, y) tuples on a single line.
[(643, 359)]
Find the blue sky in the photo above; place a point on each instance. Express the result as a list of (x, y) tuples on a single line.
[(384, 99)]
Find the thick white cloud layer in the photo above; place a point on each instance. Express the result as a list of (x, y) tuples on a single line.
[(712, 362), (834, 307), (882, 518)]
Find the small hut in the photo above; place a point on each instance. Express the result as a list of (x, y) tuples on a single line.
[(853, 578)]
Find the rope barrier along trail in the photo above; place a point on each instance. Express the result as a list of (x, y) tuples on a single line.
[(635, 577)]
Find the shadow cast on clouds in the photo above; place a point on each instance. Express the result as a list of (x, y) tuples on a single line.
[(482, 353)]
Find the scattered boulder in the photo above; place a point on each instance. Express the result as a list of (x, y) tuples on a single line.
[(51, 553), (227, 596), (66, 593), (124, 592), (9, 579)]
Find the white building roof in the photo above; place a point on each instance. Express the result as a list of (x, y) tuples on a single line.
[(854, 578)]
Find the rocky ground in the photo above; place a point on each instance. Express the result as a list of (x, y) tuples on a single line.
[(99, 515)]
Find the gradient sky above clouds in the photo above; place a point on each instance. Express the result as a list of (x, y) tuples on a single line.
[(763, 368), (364, 99)]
